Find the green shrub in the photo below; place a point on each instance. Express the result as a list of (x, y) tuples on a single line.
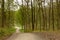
[(6, 31)]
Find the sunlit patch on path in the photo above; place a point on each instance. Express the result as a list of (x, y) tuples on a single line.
[(18, 29)]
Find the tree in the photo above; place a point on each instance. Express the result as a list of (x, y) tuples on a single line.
[(3, 13), (32, 16)]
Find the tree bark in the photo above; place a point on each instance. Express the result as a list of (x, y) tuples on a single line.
[(3, 13)]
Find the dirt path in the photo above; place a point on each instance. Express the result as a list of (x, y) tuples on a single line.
[(24, 36), (35, 36)]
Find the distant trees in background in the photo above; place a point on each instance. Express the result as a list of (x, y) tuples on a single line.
[(6, 14), (32, 14), (41, 15)]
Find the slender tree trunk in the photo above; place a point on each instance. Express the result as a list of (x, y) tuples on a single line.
[(49, 14), (57, 14), (23, 17), (39, 13), (27, 16), (3, 13), (45, 16), (9, 13), (32, 16), (52, 14)]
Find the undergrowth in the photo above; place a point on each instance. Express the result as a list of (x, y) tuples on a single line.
[(6, 32)]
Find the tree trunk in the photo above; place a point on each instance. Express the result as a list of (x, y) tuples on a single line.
[(32, 16), (3, 13)]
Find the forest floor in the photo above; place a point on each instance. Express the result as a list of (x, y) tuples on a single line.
[(35, 36)]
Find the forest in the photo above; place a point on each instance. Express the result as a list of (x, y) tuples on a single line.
[(30, 15)]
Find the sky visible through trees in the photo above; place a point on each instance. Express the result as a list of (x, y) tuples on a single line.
[(20, 2)]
